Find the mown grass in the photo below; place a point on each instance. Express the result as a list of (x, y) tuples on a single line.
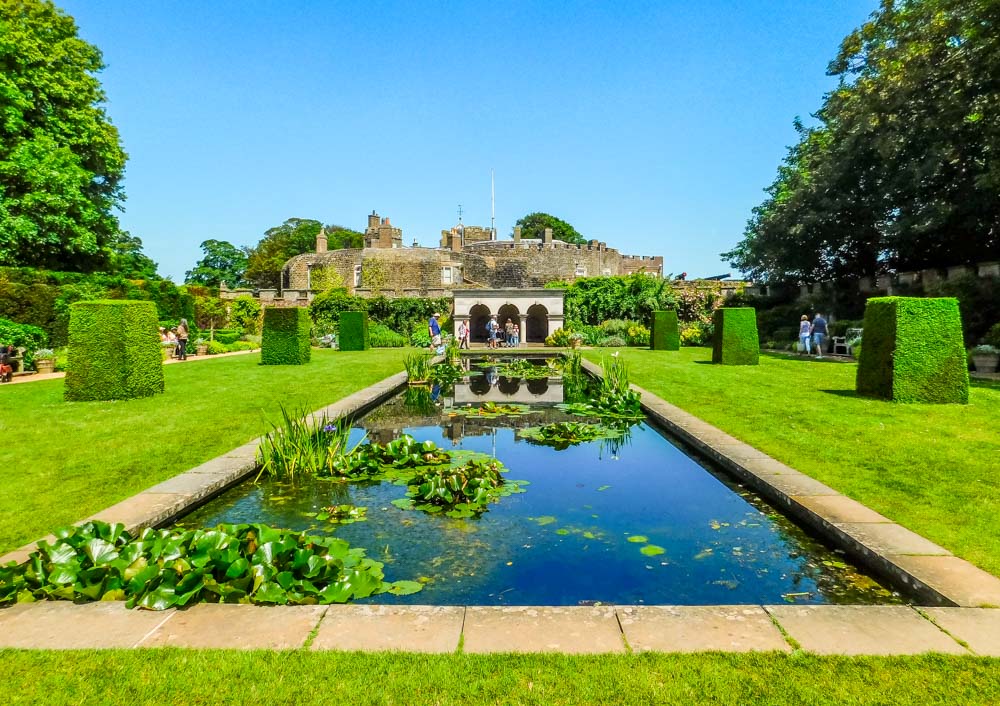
[(64, 461), (932, 468), (172, 676)]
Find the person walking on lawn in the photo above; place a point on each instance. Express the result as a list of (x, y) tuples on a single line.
[(805, 334), (819, 333), (434, 329)]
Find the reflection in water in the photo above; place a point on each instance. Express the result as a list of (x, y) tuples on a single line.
[(631, 520)]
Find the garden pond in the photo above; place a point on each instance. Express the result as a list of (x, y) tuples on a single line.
[(628, 517)]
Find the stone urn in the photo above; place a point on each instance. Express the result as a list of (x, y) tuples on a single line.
[(201, 349), (45, 366), (985, 360)]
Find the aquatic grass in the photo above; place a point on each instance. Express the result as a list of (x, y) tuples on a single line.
[(299, 445), (418, 368)]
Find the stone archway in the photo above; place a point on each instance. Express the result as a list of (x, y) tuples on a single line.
[(538, 324), (478, 316), (508, 311)]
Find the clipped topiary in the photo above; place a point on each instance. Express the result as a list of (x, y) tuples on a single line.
[(114, 351), (285, 340), (354, 331), (664, 334), (913, 351), (735, 341)]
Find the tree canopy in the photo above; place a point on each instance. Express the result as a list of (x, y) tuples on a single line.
[(293, 237), (223, 262), (534, 224), (901, 171), (61, 161)]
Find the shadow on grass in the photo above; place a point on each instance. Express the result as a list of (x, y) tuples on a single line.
[(842, 393), (780, 355)]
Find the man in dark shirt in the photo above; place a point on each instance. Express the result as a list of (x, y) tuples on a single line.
[(819, 333), (434, 329)]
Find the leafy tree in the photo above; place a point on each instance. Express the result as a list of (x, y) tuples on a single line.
[(901, 171), (293, 237), (223, 262), (209, 313), (128, 260), (61, 161), (246, 313), (534, 224)]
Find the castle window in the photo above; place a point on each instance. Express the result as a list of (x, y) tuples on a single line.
[(357, 275), (450, 275), (581, 271), (606, 272)]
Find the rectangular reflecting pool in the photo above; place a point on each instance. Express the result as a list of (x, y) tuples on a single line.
[(630, 520)]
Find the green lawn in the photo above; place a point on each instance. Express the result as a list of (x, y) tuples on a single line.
[(64, 461), (932, 468), (214, 677)]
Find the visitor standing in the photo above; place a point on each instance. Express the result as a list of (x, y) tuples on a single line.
[(492, 331), (508, 333), (805, 334), (463, 335), (182, 339), (434, 329), (517, 335), (819, 333)]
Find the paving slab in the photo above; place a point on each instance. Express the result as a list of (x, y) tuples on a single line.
[(795, 484), (964, 584), (766, 466), (61, 625), (387, 627), (237, 626), (839, 508), (862, 630), (194, 485), (738, 451), (570, 629), (979, 628), (740, 628), (143, 510), (890, 538)]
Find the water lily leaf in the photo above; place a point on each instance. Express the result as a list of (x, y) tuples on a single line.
[(160, 598), (403, 503), (62, 575), (405, 588), (270, 592), (652, 550), (638, 538), (100, 552), (545, 520), (589, 535), (604, 487), (562, 531)]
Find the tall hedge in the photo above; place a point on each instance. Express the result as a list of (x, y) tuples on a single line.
[(735, 341), (664, 334), (285, 340), (354, 331), (913, 351), (114, 351)]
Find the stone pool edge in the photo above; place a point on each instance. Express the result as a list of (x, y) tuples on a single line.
[(932, 573), (175, 496)]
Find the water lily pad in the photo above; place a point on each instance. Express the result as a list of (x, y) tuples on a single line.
[(652, 550), (638, 538), (604, 487), (544, 520), (562, 531), (405, 588)]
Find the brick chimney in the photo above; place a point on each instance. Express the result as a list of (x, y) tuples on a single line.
[(321, 240)]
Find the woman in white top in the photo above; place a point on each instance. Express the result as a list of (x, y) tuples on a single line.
[(805, 333)]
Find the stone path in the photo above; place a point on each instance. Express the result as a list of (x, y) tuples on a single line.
[(825, 630), (36, 377)]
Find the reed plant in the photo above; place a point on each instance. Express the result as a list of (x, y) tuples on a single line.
[(418, 367), (298, 445)]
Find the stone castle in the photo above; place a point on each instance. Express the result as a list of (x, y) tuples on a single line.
[(469, 257)]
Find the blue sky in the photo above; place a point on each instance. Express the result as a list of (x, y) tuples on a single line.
[(653, 126)]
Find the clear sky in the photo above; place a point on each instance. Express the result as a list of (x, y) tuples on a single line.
[(653, 126)]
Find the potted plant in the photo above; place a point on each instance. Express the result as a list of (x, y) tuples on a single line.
[(985, 358), (575, 340), (45, 360), (200, 346)]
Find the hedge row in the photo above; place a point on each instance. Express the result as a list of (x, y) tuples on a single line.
[(114, 351), (285, 339), (735, 341), (913, 351), (664, 334), (354, 331)]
